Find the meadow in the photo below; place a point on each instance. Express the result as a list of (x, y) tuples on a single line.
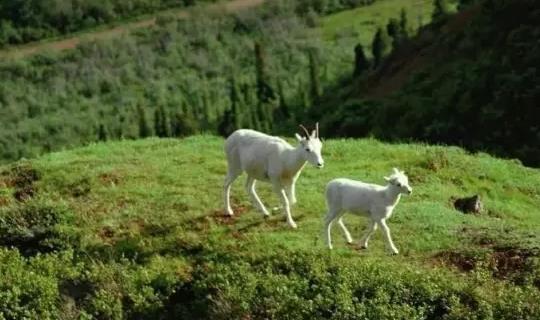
[(135, 229)]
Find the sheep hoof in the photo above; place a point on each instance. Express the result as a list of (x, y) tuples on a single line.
[(293, 225), (229, 213), (394, 253), (362, 247)]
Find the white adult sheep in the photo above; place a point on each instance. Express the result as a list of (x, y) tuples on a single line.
[(271, 159), (375, 201)]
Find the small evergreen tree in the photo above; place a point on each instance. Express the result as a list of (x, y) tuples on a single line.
[(161, 123), (236, 107), (102, 132), (265, 93), (282, 112), (404, 24), (183, 124), (226, 125), (379, 46), (361, 63), (440, 9), (144, 129), (315, 87)]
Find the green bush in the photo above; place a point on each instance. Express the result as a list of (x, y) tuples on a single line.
[(36, 226)]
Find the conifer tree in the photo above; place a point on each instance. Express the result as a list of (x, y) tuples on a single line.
[(361, 63), (282, 112), (102, 132), (404, 24), (315, 83), (236, 107), (440, 9), (183, 124), (144, 129), (161, 123), (265, 93), (379, 46)]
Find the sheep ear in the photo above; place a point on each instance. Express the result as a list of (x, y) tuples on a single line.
[(298, 137), (387, 179), (396, 170)]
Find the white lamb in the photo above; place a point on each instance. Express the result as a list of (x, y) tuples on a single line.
[(376, 202), (270, 159)]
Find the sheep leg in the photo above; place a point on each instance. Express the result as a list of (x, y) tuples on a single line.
[(250, 188), (291, 194), (328, 220), (229, 179), (285, 202), (345, 231), (387, 237), (369, 232)]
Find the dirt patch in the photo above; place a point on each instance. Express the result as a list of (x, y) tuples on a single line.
[(459, 260), (22, 178), (504, 263), (109, 179), (220, 217)]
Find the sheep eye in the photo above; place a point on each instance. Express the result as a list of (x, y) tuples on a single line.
[(308, 149), (399, 185)]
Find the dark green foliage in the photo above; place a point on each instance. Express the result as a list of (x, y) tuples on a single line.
[(144, 129), (314, 77), (379, 46), (404, 24), (478, 89), (161, 122), (361, 62), (34, 226), (102, 132), (440, 9), (119, 83), (265, 92), (183, 125), (23, 21), (283, 111)]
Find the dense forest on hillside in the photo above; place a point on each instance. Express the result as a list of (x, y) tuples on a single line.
[(470, 79), (23, 21), (202, 74)]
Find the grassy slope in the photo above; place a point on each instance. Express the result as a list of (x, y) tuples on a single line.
[(154, 204), (172, 182), (364, 21)]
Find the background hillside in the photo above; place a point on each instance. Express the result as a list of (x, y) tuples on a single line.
[(468, 79), (134, 229), (180, 76)]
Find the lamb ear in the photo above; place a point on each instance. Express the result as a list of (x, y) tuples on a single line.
[(396, 170), (387, 179), (298, 137)]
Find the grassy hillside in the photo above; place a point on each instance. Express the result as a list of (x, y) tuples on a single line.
[(468, 79), (134, 229)]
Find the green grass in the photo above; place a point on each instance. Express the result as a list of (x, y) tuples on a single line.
[(152, 214), (364, 21)]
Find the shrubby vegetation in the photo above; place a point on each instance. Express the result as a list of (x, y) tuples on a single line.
[(475, 84), (22, 21), (258, 69)]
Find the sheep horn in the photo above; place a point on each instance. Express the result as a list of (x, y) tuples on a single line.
[(317, 129), (305, 130)]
